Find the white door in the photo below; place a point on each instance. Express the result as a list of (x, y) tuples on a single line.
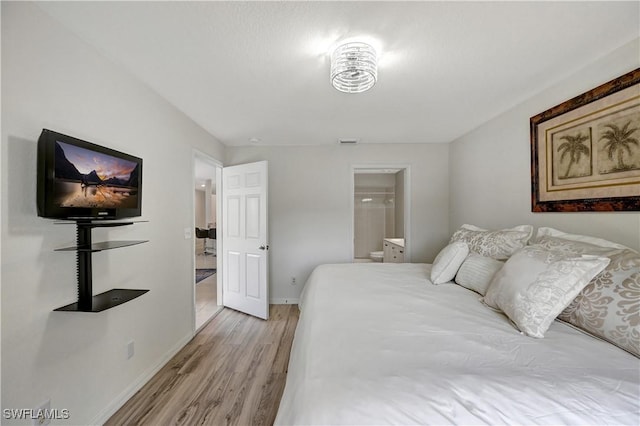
[(245, 244)]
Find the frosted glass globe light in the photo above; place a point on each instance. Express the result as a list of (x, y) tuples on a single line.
[(354, 67)]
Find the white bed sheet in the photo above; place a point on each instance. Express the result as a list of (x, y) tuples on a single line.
[(380, 344)]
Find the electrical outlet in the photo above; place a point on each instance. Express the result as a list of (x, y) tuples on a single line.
[(293, 280), (40, 418), (131, 349), (187, 233)]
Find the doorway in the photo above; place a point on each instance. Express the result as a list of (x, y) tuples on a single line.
[(380, 211), (207, 289)]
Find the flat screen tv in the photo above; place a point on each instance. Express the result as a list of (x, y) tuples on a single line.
[(79, 180)]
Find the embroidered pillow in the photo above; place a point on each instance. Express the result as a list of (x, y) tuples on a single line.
[(476, 272), (609, 306), (448, 261), (536, 284), (573, 247), (498, 245), (551, 232)]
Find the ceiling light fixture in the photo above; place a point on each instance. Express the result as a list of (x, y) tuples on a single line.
[(354, 67)]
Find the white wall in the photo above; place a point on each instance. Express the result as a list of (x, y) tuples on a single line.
[(78, 360), (490, 166), (201, 221), (378, 181), (310, 218)]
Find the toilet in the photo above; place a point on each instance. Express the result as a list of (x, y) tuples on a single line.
[(376, 256)]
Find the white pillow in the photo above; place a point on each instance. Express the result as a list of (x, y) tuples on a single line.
[(535, 285), (476, 272), (551, 232), (500, 244), (448, 261)]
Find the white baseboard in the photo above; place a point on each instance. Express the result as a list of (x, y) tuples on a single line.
[(142, 380), (284, 301)]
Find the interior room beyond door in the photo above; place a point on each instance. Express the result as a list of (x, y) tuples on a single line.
[(379, 211)]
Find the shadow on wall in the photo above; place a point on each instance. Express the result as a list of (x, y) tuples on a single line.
[(53, 278), (21, 162)]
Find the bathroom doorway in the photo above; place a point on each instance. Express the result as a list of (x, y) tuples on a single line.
[(207, 291), (380, 211)]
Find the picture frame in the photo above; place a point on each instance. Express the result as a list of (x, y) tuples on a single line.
[(585, 152)]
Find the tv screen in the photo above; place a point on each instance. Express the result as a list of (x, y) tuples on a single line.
[(81, 180)]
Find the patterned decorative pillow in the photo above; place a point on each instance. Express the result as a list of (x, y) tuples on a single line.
[(536, 284), (499, 245), (609, 306), (551, 232), (574, 247), (476, 272)]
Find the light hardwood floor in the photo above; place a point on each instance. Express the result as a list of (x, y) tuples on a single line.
[(232, 373), (206, 291)]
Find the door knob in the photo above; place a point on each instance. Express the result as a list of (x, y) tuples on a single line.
[(264, 247)]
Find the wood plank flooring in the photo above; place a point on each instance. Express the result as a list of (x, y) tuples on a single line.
[(232, 373)]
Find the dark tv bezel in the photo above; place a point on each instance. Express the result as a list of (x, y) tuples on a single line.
[(46, 171)]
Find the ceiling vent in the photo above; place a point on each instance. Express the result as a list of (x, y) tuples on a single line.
[(348, 141)]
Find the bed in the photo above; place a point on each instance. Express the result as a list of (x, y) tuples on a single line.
[(381, 344)]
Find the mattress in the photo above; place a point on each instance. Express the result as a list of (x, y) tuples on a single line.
[(380, 344)]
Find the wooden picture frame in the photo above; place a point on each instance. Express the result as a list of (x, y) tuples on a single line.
[(585, 152)]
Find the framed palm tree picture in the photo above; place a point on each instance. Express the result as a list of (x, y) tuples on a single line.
[(585, 152)]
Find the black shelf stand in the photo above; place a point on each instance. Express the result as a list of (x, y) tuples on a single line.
[(84, 248)]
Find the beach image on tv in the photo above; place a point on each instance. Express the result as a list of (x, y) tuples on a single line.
[(90, 179)]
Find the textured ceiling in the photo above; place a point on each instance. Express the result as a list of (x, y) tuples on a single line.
[(247, 70)]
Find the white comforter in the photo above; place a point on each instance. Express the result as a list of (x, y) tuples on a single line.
[(380, 344)]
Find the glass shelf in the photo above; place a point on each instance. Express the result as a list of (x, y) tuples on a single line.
[(103, 301), (105, 245), (84, 249)]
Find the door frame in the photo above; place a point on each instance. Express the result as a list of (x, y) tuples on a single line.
[(202, 156), (407, 203)]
